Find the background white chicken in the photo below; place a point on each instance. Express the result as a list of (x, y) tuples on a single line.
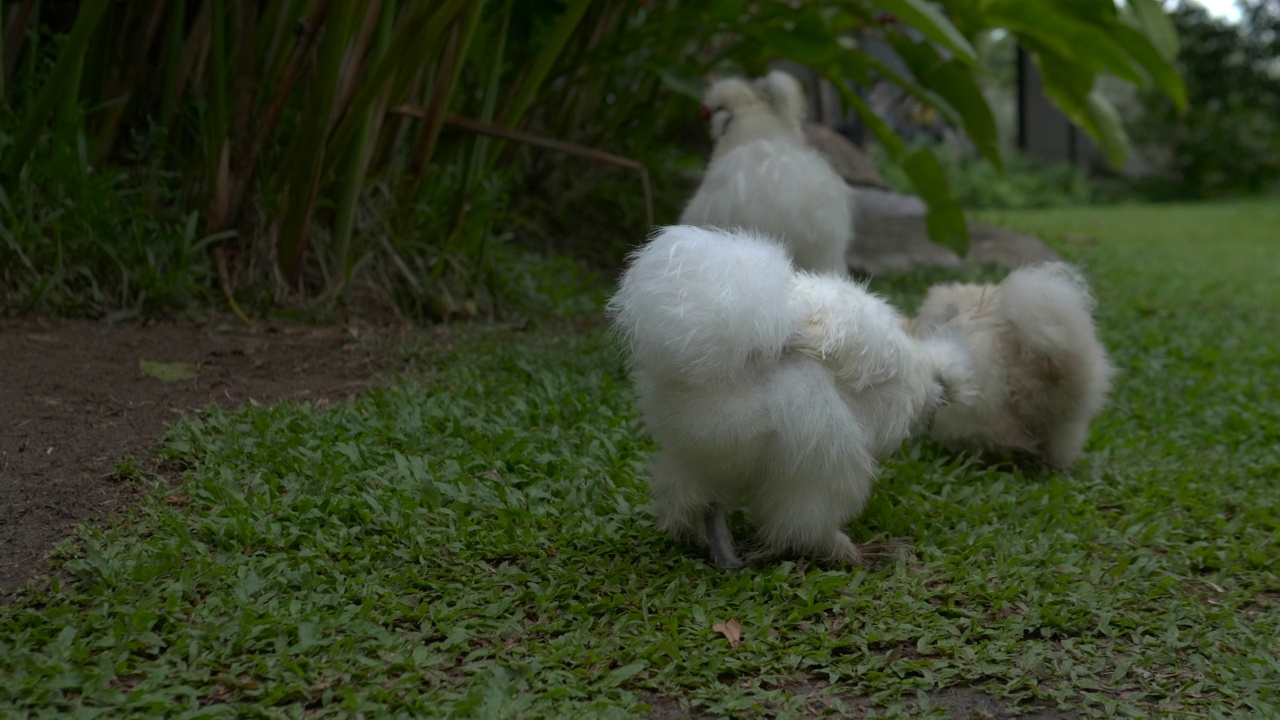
[(768, 388), (1040, 371), (763, 176)]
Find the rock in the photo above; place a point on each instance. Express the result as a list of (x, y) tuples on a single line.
[(874, 201), (992, 245), (892, 237), (887, 244), (846, 159)]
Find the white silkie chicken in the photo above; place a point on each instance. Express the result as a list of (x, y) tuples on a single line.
[(1041, 374), (769, 389), (763, 176)]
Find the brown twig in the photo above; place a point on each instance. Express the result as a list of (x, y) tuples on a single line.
[(484, 128), (20, 561)]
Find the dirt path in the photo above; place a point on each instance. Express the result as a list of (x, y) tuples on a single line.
[(73, 404)]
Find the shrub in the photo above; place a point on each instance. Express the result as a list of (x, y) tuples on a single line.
[(1025, 182), (324, 143), (1228, 140)]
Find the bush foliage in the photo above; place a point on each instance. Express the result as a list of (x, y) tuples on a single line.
[(1024, 183), (324, 142), (1228, 139)]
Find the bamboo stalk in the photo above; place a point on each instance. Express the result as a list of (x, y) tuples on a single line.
[(217, 132), (304, 161), (451, 67), (246, 166), (123, 87), (376, 24), (362, 152), (246, 82), (421, 25), (479, 153)]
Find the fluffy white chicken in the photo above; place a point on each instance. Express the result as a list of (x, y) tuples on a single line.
[(1041, 373), (763, 175), (769, 389)]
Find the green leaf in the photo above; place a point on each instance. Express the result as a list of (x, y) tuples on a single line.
[(912, 87), (1089, 48), (807, 40), (955, 82), (1096, 12), (852, 66), (1162, 73), (945, 219), (541, 65), (925, 17), (951, 87), (56, 88), (167, 372), (617, 677), (1110, 130), (1074, 94), (1156, 25), (885, 134), (723, 11), (681, 83)]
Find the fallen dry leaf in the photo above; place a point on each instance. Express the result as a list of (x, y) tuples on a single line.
[(731, 630), (168, 372)]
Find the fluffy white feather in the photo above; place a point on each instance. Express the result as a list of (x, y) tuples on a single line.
[(763, 176), (767, 388), (1040, 371)]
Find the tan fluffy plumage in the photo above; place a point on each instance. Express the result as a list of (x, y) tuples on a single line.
[(1041, 374)]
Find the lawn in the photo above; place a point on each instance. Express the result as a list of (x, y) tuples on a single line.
[(472, 540)]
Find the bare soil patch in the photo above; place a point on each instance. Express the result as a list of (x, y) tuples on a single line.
[(74, 404)]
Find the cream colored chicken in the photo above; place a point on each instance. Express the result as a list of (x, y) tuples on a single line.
[(770, 389), (763, 176)]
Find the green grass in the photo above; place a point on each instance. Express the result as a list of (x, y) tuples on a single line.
[(472, 541)]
